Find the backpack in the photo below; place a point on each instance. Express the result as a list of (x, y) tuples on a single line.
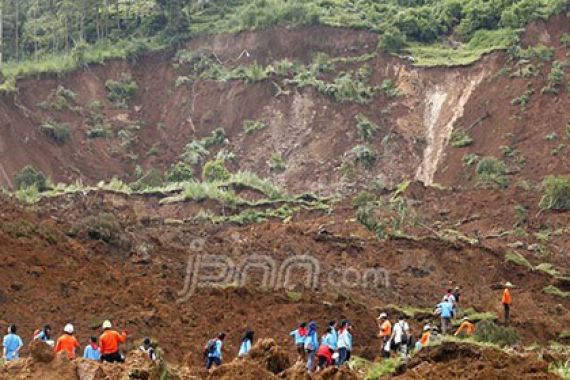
[(210, 347)]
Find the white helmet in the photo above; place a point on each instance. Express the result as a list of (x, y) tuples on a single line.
[(107, 325), (68, 328)]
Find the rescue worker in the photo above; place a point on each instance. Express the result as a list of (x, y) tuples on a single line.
[(466, 328), (385, 333), (507, 301), (67, 342), (109, 343)]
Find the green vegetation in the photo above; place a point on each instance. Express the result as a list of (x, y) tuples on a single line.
[(20, 228), (58, 132), (556, 193), (554, 291), (375, 370), (96, 133), (561, 369), (518, 259), (548, 268), (122, 90), (102, 226), (294, 296), (362, 199), (523, 100), (491, 173), (565, 40), (250, 126), (488, 331), (470, 159), (365, 155), (30, 177), (179, 172), (276, 163), (461, 139), (215, 170), (59, 99), (556, 78), (365, 128)]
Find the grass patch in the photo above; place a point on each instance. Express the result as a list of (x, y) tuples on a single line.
[(556, 193), (482, 42), (461, 139), (518, 259), (250, 126), (294, 296), (556, 292), (548, 268), (30, 177), (58, 132), (491, 173), (122, 90), (365, 128), (374, 370), (489, 332)]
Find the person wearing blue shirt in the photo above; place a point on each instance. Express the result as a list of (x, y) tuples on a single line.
[(299, 336), (328, 339), (214, 355), (446, 313), (334, 335), (311, 346), (92, 351), (12, 344), (246, 344), (344, 342)]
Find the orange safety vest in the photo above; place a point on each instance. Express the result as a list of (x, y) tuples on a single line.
[(67, 343), (110, 340), (507, 300), (467, 327), (386, 329)]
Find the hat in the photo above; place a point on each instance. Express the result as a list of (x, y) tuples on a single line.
[(107, 325), (508, 285), (427, 327), (68, 328), (382, 316), (466, 318)]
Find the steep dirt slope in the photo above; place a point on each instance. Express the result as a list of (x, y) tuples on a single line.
[(314, 134), (535, 138)]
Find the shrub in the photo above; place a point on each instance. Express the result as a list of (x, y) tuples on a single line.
[(364, 155), (556, 193), (488, 331), (461, 139), (555, 78), (391, 41), (103, 226), (366, 129), (215, 171), (389, 88), (30, 177), (217, 137), (523, 100), (96, 133), (565, 40), (179, 172), (548, 268), (276, 162), (194, 152), (250, 126), (363, 198), (470, 159), (121, 91), (491, 173), (59, 132)]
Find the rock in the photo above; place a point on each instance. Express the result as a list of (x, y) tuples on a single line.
[(269, 355), (533, 247), (89, 370), (41, 352), (516, 245), (16, 286)]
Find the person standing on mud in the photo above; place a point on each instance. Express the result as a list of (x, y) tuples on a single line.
[(446, 314), (109, 343), (299, 336), (214, 350), (401, 336), (12, 344), (311, 346), (67, 342), (385, 333), (507, 301), (344, 342), (246, 344)]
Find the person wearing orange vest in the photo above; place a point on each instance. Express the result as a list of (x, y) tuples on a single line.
[(507, 301), (67, 342), (424, 338), (109, 343), (466, 328), (385, 333)]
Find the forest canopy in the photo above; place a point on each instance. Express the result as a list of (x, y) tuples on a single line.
[(40, 28)]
